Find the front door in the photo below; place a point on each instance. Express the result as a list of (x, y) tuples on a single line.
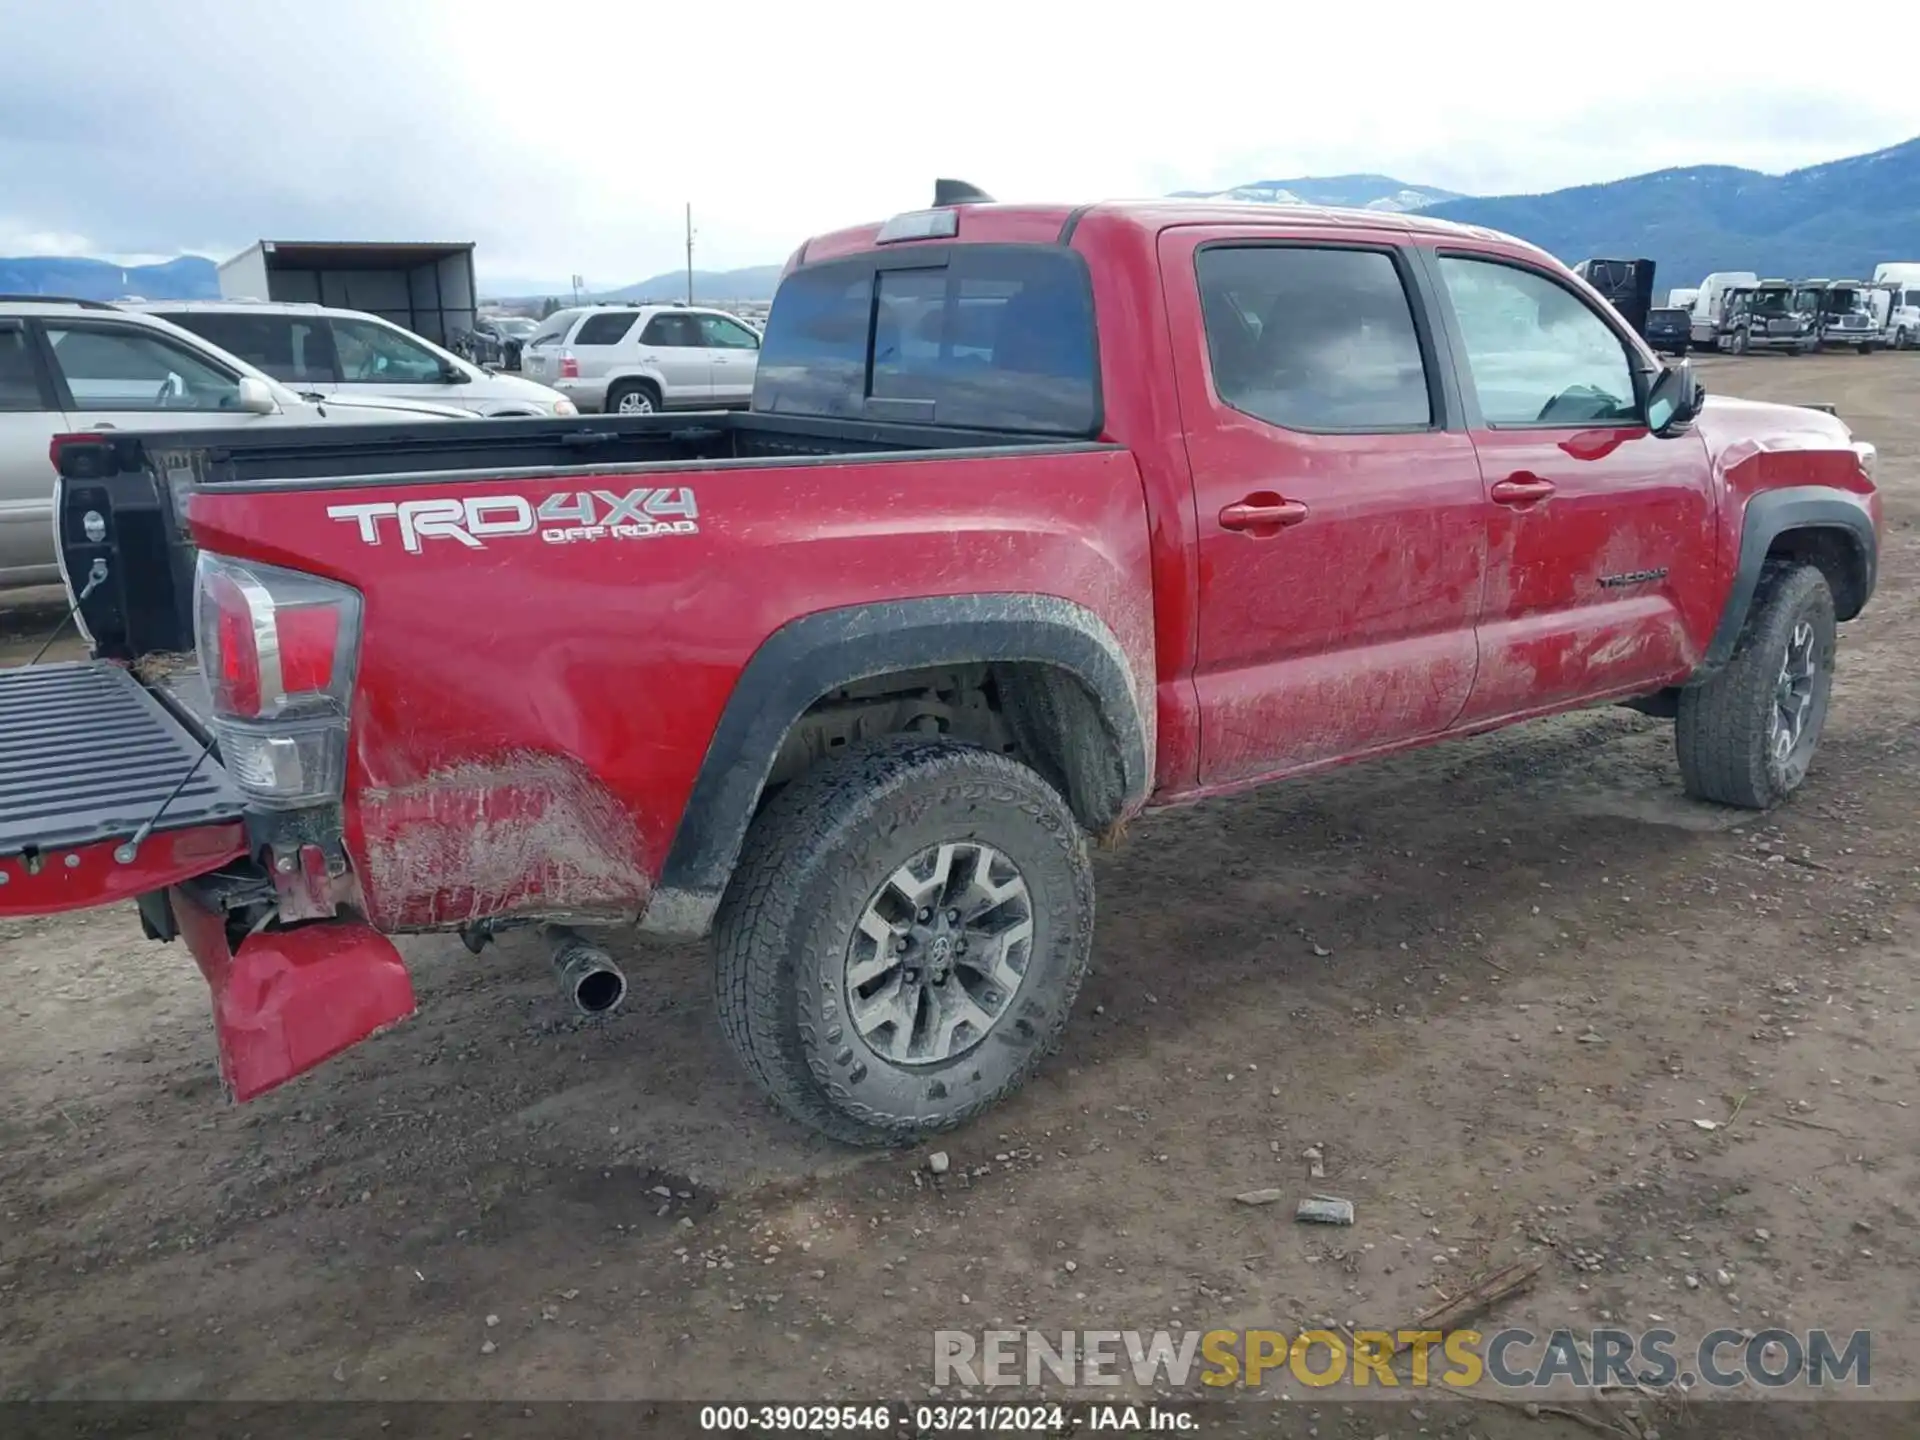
[(116, 376), (1599, 533), (1341, 524), (377, 359), (732, 349), (29, 419)]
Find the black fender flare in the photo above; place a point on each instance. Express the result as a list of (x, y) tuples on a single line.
[(816, 654), (1771, 514)]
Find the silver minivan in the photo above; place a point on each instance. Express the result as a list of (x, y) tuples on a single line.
[(320, 350)]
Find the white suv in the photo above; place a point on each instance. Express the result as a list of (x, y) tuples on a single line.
[(70, 365), (347, 353), (636, 359)]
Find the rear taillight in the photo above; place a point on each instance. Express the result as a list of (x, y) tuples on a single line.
[(277, 649), (569, 367)]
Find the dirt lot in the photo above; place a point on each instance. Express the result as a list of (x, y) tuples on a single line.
[(1495, 982)]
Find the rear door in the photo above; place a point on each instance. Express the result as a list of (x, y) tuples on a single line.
[(673, 347), (29, 419), (1600, 546), (732, 350), (1342, 533)]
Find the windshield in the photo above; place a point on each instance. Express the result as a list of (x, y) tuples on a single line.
[(1771, 302), (518, 326)]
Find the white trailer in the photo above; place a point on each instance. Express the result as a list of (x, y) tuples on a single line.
[(428, 288), (1710, 304), (1902, 282)]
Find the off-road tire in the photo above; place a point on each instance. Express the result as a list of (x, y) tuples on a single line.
[(1722, 730), (811, 863), (624, 388)]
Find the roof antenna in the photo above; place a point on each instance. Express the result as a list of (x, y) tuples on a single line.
[(959, 192)]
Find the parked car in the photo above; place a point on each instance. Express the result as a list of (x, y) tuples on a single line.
[(637, 359), (1669, 330), (511, 332), (1041, 516), (79, 365), (323, 351)]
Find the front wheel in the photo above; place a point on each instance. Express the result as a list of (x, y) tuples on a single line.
[(903, 940), (1747, 736), (1738, 343)]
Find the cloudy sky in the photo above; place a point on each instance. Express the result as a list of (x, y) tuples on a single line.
[(565, 137)]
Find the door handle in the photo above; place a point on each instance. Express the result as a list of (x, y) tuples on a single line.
[(1262, 513), (1521, 488)]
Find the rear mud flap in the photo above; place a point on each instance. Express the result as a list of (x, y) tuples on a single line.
[(287, 1000)]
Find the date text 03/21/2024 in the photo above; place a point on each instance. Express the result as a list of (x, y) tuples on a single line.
[(1049, 1419)]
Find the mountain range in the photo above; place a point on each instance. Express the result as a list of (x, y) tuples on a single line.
[(1836, 219), (1356, 192)]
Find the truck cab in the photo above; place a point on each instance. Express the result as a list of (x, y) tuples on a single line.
[(1849, 316), (1771, 315), (1709, 305)]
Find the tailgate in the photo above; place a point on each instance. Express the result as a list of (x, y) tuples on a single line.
[(103, 793)]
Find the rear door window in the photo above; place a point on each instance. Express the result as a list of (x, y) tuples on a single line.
[(673, 332), (296, 349), (1314, 338), (608, 328), (992, 337)]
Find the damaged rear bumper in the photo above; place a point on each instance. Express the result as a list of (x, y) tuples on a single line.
[(288, 999)]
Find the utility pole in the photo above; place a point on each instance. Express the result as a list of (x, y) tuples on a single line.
[(689, 252)]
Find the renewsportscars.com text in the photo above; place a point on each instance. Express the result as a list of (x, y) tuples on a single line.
[(1512, 1358)]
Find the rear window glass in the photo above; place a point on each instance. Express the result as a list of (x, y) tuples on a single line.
[(608, 329), (983, 337)]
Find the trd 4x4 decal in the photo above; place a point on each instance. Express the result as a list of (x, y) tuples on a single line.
[(564, 518)]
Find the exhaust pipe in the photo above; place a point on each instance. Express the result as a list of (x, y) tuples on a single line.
[(588, 977)]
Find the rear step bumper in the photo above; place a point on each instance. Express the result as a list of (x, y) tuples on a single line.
[(287, 1000), (88, 761)]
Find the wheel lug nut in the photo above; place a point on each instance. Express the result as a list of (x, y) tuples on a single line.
[(925, 915), (953, 917)]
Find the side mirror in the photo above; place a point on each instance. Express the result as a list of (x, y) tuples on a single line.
[(255, 397), (454, 375), (1674, 399)]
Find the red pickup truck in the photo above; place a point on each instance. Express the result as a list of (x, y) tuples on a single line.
[(1041, 515)]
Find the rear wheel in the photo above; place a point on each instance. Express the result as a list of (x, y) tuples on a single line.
[(633, 397), (1747, 737), (904, 938)]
